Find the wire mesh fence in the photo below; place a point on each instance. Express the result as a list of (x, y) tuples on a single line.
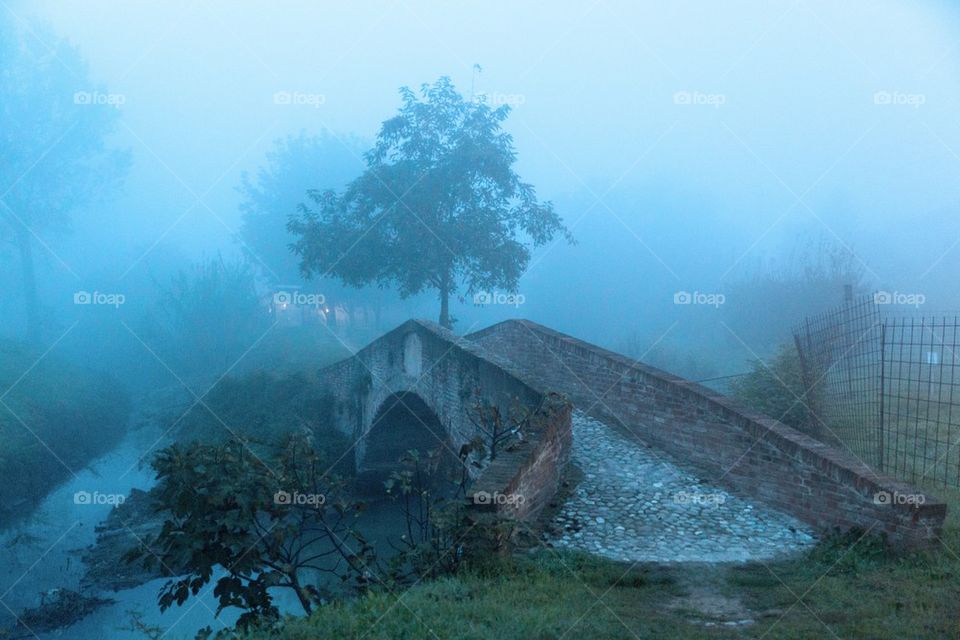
[(921, 416), (841, 366), (886, 388)]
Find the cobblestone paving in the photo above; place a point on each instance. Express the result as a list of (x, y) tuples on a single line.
[(635, 505)]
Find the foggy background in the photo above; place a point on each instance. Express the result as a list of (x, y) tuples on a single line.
[(683, 155), (726, 170)]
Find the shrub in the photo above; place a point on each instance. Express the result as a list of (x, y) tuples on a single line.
[(262, 521), (208, 317), (264, 407), (776, 388)]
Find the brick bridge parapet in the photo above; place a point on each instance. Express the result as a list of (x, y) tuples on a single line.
[(717, 438)]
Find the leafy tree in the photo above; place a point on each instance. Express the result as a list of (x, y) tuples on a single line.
[(53, 128), (295, 165), (439, 205), (265, 522)]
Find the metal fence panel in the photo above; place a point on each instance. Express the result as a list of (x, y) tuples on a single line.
[(840, 359), (921, 419), (885, 388)]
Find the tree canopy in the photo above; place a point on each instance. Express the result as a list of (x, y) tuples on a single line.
[(438, 207), (54, 125), (296, 164)]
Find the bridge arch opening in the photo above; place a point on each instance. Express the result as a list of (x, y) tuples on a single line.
[(404, 422)]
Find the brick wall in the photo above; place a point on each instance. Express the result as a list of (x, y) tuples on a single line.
[(521, 481), (713, 436), (446, 371)]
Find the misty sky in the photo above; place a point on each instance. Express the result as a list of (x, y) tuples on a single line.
[(677, 150)]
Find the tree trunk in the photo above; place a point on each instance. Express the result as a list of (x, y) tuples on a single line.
[(29, 283), (301, 595), (445, 308)]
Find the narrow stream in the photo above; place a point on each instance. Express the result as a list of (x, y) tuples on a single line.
[(44, 553)]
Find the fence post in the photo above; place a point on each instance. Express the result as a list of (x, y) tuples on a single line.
[(805, 377), (883, 357)]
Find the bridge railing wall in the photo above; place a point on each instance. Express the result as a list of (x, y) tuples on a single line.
[(717, 438)]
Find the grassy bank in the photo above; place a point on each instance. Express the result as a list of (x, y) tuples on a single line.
[(848, 588), (54, 418)]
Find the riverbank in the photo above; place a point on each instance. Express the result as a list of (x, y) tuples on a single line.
[(43, 552), (55, 417)]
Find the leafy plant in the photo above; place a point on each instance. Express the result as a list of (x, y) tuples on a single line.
[(496, 430), (441, 532), (263, 522), (434, 517)]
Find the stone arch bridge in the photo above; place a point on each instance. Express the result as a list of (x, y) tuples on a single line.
[(439, 378)]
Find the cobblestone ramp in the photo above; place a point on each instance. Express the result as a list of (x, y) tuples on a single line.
[(633, 504)]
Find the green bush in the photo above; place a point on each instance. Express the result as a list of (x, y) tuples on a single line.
[(54, 418), (285, 350), (264, 407), (239, 515), (775, 388)]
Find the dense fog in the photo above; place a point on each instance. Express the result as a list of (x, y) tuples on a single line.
[(784, 148), (715, 173)]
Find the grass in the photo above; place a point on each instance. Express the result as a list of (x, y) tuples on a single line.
[(55, 418), (536, 598), (852, 588), (847, 587)]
